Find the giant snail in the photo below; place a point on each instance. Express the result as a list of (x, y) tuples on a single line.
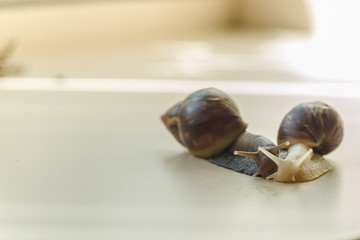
[(209, 125), (313, 129)]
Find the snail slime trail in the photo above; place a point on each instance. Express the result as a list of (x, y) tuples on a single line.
[(209, 125)]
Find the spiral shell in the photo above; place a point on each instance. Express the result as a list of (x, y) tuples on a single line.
[(206, 122), (315, 124)]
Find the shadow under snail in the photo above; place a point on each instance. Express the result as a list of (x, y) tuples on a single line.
[(209, 125)]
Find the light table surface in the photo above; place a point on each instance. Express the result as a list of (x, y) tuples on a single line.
[(100, 165)]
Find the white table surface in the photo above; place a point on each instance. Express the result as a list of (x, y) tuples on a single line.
[(100, 165)]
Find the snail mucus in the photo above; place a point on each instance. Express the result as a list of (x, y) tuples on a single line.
[(209, 125)]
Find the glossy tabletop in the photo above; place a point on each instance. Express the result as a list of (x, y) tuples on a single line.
[(101, 165)]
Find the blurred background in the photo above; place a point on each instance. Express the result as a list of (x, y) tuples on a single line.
[(100, 166), (245, 40)]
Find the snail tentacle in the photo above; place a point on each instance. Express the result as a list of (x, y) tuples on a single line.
[(256, 157), (253, 155), (289, 167), (265, 164)]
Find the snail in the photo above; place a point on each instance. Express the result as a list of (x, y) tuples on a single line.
[(313, 129), (208, 124)]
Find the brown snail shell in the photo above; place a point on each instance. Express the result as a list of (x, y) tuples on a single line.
[(209, 125), (170, 119), (206, 122), (315, 124)]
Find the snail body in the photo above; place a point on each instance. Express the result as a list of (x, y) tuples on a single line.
[(313, 129), (248, 144), (208, 123)]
